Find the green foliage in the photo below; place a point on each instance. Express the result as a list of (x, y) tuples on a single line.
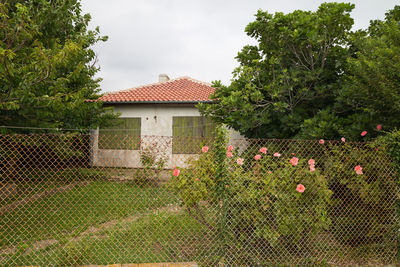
[(289, 76), (188, 185), (47, 71), (324, 124), (371, 91), (210, 168), (257, 204), (265, 218), (310, 77), (363, 205), (391, 141), (267, 212)]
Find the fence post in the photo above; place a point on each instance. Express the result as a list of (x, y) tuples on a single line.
[(94, 140)]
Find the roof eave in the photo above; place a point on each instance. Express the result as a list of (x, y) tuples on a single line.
[(156, 102)]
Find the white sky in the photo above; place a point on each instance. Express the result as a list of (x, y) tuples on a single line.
[(199, 38)]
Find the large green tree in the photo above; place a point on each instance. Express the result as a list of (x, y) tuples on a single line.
[(371, 86), (47, 66), (290, 76), (369, 94)]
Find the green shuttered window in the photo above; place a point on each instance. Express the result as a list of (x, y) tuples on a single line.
[(124, 135), (189, 134)]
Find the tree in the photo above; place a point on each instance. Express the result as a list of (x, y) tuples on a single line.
[(371, 86), (47, 67), (290, 76)]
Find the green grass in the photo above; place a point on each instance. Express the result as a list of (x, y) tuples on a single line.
[(148, 236), (72, 212), (162, 237), (142, 230), (34, 181)]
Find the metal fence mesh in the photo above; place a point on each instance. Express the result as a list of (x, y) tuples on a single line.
[(64, 201)]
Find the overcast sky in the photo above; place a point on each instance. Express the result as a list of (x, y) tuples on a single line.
[(199, 38)]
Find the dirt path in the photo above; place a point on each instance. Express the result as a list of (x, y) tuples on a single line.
[(17, 204)]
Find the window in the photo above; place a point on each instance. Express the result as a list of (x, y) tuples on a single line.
[(124, 135), (190, 134)]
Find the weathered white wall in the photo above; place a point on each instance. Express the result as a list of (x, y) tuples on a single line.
[(156, 119), (156, 128)]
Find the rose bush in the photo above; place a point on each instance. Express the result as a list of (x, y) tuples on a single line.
[(364, 192), (276, 205), (264, 203)]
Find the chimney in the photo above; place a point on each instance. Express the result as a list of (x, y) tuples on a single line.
[(163, 78)]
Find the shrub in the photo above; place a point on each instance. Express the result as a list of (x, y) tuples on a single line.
[(255, 207), (268, 213), (153, 163), (362, 209)]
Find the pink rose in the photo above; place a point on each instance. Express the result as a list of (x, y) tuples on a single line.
[(229, 154), (239, 161), (311, 162), (321, 141), (343, 139), (277, 155), (379, 127), (300, 188), (230, 148), (270, 172), (358, 169), (294, 161), (204, 149), (363, 133), (264, 150), (312, 167), (176, 172), (257, 157)]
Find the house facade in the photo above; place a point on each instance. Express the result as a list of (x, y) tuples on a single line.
[(162, 117)]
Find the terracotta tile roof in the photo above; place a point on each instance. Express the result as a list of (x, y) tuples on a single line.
[(183, 89)]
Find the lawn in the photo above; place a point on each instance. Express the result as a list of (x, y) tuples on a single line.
[(101, 222), (104, 222), (163, 237), (33, 181)]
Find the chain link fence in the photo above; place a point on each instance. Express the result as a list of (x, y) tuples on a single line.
[(79, 199)]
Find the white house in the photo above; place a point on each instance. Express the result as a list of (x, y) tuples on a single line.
[(158, 116)]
